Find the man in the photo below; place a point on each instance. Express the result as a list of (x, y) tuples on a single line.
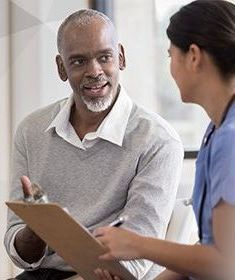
[(96, 152)]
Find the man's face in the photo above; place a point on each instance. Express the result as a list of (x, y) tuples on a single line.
[(91, 59)]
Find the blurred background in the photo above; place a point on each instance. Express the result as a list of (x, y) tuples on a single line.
[(29, 80)]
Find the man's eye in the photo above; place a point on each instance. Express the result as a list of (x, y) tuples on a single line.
[(78, 62), (105, 58)]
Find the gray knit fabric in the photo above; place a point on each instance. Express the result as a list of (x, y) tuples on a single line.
[(96, 185)]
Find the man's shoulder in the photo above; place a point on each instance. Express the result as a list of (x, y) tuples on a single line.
[(41, 118), (153, 124)]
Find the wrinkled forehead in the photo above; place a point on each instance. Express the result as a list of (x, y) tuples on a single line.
[(89, 36)]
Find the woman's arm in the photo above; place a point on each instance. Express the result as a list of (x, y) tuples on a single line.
[(170, 275), (199, 261), (165, 275)]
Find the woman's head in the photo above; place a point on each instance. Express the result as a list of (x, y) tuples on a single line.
[(211, 26)]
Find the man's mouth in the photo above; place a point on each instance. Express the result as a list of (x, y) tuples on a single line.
[(95, 90)]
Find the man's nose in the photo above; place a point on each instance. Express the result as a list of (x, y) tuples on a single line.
[(94, 69)]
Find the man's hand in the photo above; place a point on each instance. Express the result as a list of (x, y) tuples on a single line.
[(29, 246)]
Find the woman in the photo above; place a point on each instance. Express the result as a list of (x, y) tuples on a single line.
[(202, 52)]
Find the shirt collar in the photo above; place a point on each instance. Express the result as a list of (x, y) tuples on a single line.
[(231, 111), (62, 118), (113, 126)]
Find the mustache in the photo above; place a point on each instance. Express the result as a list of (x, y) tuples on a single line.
[(95, 80)]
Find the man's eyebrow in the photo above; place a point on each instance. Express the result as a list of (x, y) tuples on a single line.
[(76, 56), (85, 55), (110, 50)]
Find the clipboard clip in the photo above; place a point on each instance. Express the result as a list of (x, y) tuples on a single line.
[(39, 196)]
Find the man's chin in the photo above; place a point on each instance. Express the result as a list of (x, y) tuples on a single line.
[(98, 104)]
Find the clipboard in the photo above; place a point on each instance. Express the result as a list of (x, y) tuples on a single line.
[(71, 240)]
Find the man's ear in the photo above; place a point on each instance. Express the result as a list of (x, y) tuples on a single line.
[(60, 68), (122, 59)]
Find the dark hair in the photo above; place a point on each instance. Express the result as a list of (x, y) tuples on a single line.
[(210, 24)]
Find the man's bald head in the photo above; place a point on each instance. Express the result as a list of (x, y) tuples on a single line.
[(82, 18)]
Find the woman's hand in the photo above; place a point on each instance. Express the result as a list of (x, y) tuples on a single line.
[(170, 275), (105, 275), (120, 243)]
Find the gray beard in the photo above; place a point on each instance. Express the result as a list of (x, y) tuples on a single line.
[(98, 104)]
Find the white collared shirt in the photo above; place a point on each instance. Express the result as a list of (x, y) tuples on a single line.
[(111, 129)]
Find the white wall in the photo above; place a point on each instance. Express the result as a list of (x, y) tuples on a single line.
[(5, 124), (134, 20), (34, 73)]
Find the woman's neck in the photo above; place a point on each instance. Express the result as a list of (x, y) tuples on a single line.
[(217, 100)]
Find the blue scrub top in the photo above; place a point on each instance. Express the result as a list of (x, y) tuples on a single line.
[(215, 171)]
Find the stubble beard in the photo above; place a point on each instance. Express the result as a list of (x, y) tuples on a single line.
[(98, 104)]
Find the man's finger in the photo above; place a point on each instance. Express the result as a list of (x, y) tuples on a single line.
[(26, 186)]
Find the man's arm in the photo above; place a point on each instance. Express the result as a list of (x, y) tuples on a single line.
[(27, 244), (22, 244), (151, 191)]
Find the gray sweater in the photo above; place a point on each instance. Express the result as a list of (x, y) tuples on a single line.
[(138, 179)]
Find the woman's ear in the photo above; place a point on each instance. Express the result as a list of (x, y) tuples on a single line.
[(195, 56), (122, 59), (60, 67)]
